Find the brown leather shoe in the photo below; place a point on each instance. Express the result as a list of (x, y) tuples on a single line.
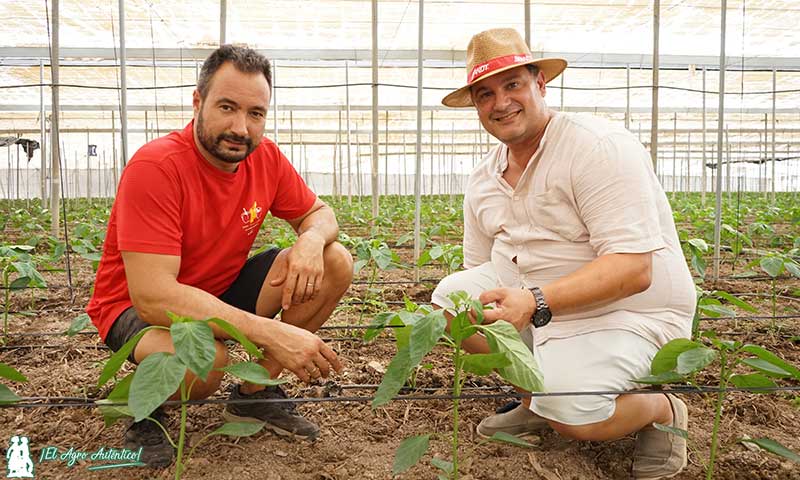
[(660, 454), (519, 421)]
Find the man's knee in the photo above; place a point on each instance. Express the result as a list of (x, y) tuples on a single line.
[(338, 266), (446, 286), (474, 281), (203, 389)]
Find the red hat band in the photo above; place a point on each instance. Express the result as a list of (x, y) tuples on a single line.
[(485, 68)]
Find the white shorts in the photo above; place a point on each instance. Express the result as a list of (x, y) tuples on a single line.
[(599, 361)]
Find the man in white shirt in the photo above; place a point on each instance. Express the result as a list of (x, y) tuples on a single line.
[(569, 234)]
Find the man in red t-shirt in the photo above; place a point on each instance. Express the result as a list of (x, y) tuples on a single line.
[(187, 211)]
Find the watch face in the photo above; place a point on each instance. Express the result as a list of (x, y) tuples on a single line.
[(542, 318)]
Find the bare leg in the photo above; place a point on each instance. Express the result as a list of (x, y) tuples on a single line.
[(312, 314), (632, 413), (160, 341)]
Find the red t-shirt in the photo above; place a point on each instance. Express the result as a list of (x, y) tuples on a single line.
[(171, 201)]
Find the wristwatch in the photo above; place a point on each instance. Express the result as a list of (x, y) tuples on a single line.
[(542, 315)]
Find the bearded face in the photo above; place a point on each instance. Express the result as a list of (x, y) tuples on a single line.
[(225, 146)]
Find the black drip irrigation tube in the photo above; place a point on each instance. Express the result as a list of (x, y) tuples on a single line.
[(389, 327), (77, 402)]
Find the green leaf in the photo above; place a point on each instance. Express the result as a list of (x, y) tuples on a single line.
[(695, 360), (424, 258), (772, 265), (382, 256), (699, 244), (458, 324), (194, 346), (477, 309), (662, 378), (508, 438), (409, 452), (484, 363), (238, 429), (395, 377), (523, 371), (766, 368), (442, 465), (773, 446), (19, 283), (402, 334), (234, 333), (9, 372), (7, 396), (675, 431), (175, 318), (359, 264), (752, 380), (699, 265), (792, 268), (735, 301), (114, 363), (112, 413), (666, 359), (155, 380), (770, 357), (728, 345), (716, 310), (78, 324), (27, 269), (377, 325), (425, 334), (460, 299), (252, 372)]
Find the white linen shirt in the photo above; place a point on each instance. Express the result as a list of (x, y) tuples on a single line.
[(589, 190)]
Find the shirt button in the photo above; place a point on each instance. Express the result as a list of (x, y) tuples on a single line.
[(519, 248)]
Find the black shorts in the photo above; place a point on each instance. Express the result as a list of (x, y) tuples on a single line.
[(242, 294)]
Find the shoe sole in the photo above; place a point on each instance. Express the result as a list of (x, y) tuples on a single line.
[(230, 417)]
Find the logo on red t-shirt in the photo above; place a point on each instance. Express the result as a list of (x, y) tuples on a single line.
[(250, 218)]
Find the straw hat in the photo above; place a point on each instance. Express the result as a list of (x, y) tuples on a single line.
[(495, 51)]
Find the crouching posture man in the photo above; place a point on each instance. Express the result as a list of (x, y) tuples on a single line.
[(569, 234), (188, 209)]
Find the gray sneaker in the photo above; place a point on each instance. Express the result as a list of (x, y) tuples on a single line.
[(519, 421), (660, 454), (157, 452), (281, 418)]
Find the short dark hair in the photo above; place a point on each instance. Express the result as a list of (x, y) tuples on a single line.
[(533, 69), (246, 60)]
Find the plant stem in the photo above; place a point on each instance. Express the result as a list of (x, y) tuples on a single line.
[(723, 384), (774, 299), (182, 435), (456, 393), (6, 274)]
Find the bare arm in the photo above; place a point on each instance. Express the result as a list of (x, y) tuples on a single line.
[(319, 220), (154, 289), (606, 279), (302, 277)]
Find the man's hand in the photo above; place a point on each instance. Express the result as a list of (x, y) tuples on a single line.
[(300, 351), (514, 305), (302, 276)]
